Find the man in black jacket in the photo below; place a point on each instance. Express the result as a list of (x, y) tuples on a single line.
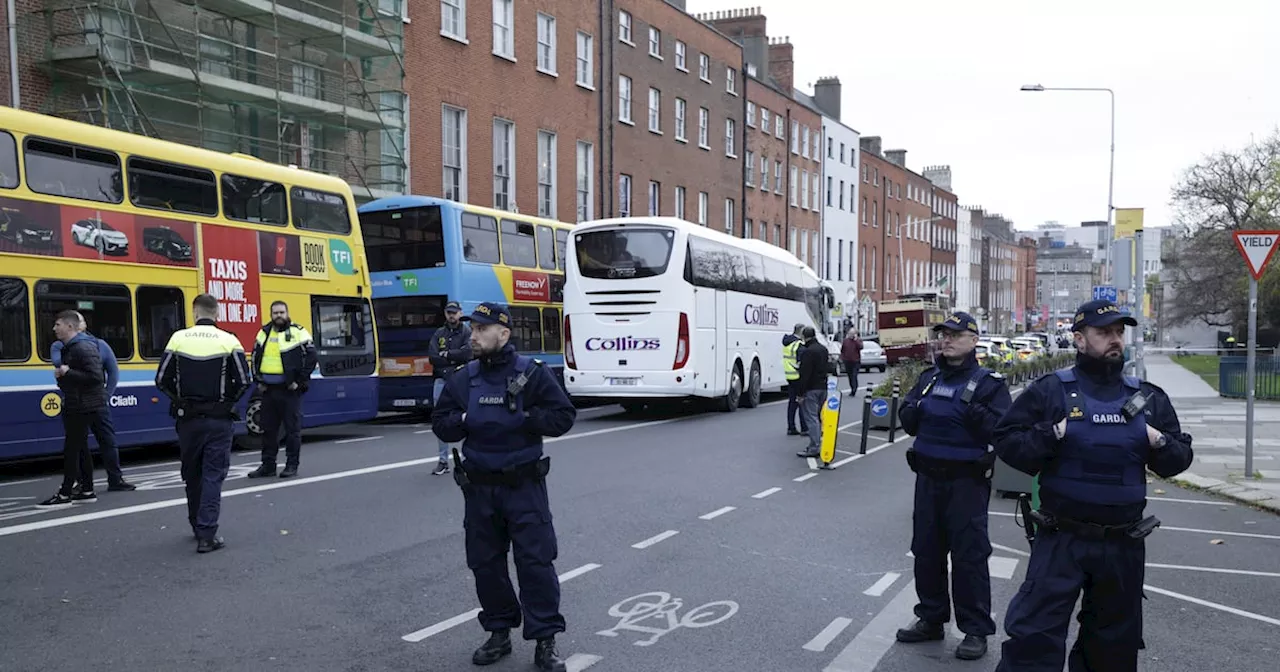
[(449, 350), (84, 396), (814, 366)]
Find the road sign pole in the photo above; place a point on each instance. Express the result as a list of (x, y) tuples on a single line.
[(1250, 372)]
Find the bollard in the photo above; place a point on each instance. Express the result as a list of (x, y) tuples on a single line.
[(866, 420), (893, 411)]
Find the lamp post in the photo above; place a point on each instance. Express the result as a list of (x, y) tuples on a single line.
[(1111, 177)]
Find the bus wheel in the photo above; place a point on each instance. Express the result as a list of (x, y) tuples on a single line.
[(253, 418), (729, 402), (751, 398)]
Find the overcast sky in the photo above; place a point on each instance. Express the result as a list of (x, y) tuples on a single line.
[(940, 79)]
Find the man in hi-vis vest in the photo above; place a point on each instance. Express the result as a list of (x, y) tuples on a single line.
[(791, 344), (283, 359)]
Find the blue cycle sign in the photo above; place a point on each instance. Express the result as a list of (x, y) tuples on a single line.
[(1105, 293), (879, 408)]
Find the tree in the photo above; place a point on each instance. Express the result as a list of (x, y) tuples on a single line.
[(1226, 192)]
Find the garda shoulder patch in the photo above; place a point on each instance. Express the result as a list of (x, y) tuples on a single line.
[(1076, 413)]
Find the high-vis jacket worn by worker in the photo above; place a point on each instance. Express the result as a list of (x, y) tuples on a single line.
[(283, 357), (204, 372), (790, 359)]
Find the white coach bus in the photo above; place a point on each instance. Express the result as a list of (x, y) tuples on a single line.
[(657, 308)]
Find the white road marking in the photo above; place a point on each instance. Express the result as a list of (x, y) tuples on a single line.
[(580, 661), (423, 431), (358, 439), (717, 513), (655, 539), (765, 493), (1214, 570), (1225, 533), (877, 589), (1212, 605), (1157, 498), (802, 479), (440, 627), (29, 480), (813, 463), (828, 634), (852, 424), (1010, 549), (863, 654), (1002, 568), (168, 503), (870, 451)]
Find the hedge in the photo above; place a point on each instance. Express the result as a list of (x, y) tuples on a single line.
[(906, 372)]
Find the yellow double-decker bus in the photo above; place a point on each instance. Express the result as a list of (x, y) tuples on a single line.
[(128, 230)]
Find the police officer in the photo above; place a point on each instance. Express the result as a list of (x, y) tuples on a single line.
[(204, 374), (500, 405), (791, 344), (952, 410), (283, 358), (1090, 433), (450, 349)]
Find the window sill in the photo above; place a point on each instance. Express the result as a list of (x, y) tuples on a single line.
[(704, 80), (627, 122), (704, 147), (505, 57), (683, 69), (730, 155), (656, 56), (588, 87), (626, 41), (460, 39), (549, 73), (656, 132), (682, 140)]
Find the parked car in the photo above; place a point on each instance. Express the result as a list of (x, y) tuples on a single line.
[(99, 235), (873, 357)]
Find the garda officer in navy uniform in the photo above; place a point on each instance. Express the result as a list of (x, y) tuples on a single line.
[(204, 374), (952, 410), (500, 405), (449, 350), (1090, 433)]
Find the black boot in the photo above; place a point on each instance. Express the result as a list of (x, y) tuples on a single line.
[(290, 470), (261, 471), (972, 648), (210, 545), (921, 631), (547, 658), (498, 645)]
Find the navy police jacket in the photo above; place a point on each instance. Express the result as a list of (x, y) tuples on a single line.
[(945, 424), (449, 349), (493, 437), (1097, 471)]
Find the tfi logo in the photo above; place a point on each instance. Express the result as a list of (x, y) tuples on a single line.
[(343, 261), (761, 314), (623, 344), (409, 282)]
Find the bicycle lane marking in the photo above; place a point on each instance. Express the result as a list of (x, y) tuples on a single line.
[(661, 610)]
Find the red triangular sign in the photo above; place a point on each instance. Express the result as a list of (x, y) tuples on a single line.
[(1257, 248)]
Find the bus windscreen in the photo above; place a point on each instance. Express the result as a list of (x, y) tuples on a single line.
[(399, 240), (624, 254)]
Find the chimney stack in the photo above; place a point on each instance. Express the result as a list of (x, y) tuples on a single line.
[(781, 64), (897, 156), (870, 144), (827, 94)]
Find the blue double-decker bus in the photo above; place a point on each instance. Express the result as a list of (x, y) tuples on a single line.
[(425, 252)]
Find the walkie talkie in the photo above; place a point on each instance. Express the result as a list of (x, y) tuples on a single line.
[(1133, 407)]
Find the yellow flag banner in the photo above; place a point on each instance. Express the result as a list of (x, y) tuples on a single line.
[(1128, 222)]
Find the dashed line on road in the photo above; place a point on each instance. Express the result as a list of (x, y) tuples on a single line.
[(870, 451), (1214, 570), (1210, 502), (877, 589), (802, 479), (717, 513), (655, 539), (765, 493), (828, 634), (423, 431), (432, 630), (863, 654), (358, 439)]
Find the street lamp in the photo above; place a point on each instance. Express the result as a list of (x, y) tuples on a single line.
[(1111, 178)]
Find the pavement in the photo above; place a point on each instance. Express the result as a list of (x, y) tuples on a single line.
[(1217, 428), (695, 542)]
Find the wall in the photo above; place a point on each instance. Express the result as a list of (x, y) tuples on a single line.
[(839, 212), (964, 257)]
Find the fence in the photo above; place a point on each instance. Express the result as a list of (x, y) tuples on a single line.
[(1231, 377)]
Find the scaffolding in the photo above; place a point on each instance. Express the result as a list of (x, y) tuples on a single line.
[(314, 83)]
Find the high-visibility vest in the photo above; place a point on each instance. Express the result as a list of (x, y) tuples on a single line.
[(790, 365)]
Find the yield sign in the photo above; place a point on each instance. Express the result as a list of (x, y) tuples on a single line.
[(1257, 247)]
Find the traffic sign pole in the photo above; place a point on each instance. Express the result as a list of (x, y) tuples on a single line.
[(1257, 248)]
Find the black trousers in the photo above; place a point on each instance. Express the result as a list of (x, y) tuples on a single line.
[(281, 406), (77, 463)]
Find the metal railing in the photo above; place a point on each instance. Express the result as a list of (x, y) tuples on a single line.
[(1231, 376)]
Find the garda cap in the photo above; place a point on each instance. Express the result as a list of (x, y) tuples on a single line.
[(489, 313), (959, 321), (1101, 313)]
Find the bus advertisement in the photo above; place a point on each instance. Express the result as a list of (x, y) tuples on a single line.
[(127, 230), (658, 308), (425, 252)]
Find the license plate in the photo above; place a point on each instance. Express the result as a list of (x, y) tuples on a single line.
[(400, 403), (624, 381)]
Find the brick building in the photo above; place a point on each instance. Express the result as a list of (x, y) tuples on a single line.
[(783, 160), (884, 215), (1027, 295), (943, 275)]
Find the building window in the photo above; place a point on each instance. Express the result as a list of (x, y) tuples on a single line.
[(750, 164), (624, 99), (826, 261), (829, 190), (764, 119), (813, 197), (804, 190), (702, 207), (704, 119), (804, 142), (751, 115), (731, 80), (655, 111), (746, 228), (655, 42), (777, 235), (795, 233), (546, 174), (680, 196), (795, 174), (453, 18), (655, 198), (503, 37), (779, 129), (504, 149), (681, 108), (586, 187), (547, 44), (704, 68), (730, 138), (831, 150), (728, 216), (586, 73), (842, 194), (795, 137), (454, 146), (624, 195), (624, 27), (681, 50), (864, 210), (777, 177), (764, 173)]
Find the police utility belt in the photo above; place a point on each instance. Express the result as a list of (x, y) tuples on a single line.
[(216, 410), (948, 470), (1140, 529), (511, 476)]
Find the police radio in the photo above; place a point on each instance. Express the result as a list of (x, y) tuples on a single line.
[(1133, 407), (514, 387)]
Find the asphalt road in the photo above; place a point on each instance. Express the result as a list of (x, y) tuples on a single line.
[(695, 542)]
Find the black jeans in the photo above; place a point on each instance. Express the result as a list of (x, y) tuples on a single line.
[(794, 396), (77, 463), (851, 369), (281, 406)]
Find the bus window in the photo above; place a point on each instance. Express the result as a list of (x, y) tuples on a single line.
[(250, 200), (169, 186), (8, 161), (551, 329), (526, 328), (161, 311), (517, 244), (562, 243), (546, 248), (775, 279), (624, 253), (15, 321), (713, 265), (407, 323), (106, 310), (480, 239), (59, 169), (395, 240), (319, 211), (343, 331)]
